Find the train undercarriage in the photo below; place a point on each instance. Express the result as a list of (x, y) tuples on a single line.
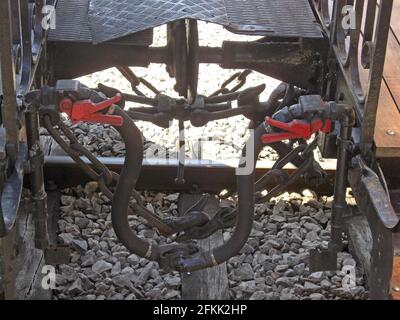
[(331, 69)]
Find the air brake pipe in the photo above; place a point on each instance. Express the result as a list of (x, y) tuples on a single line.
[(126, 184), (339, 206), (245, 216), (246, 193), (133, 161), (244, 222)]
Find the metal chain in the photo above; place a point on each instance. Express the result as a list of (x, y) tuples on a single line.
[(240, 76), (135, 81)]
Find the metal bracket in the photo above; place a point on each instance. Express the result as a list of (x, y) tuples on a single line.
[(375, 204), (370, 193)]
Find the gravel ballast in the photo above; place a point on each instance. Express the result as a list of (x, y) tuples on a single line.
[(273, 265)]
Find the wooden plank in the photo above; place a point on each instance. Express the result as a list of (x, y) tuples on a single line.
[(23, 265), (396, 268), (46, 143), (396, 244), (8, 266), (50, 147), (211, 283), (30, 262), (360, 241), (387, 131), (391, 72), (396, 279), (395, 22)]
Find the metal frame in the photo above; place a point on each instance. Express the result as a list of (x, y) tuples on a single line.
[(359, 58), (360, 54), (288, 60)]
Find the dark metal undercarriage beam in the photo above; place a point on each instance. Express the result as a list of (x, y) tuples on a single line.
[(295, 61), (159, 175)]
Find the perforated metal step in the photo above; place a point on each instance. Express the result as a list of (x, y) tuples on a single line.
[(72, 25), (111, 19)]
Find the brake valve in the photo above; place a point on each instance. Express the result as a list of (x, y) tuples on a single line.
[(88, 111), (296, 129)]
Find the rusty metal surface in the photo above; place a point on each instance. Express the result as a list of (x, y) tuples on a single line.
[(374, 203), (286, 18), (73, 25)]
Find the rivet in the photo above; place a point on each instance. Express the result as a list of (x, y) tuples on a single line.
[(396, 289), (391, 132)]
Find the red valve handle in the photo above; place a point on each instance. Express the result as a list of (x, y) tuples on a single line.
[(297, 129), (88, 111)]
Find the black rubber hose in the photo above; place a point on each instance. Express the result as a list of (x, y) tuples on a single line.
[(244, 222), (126, 184), (246, 193)]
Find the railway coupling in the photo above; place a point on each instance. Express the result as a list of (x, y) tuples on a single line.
[(285, 118)]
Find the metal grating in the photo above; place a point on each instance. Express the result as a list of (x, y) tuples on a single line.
[(72, 25), (111, 19), (288, 18)]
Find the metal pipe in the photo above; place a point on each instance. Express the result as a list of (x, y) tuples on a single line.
[(339, 206), (159, 55), (244, 221), (36, 178), (211, 55), (9, 108), (126, 184), (246, 192)]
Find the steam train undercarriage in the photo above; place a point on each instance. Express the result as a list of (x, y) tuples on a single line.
[(322, 104)]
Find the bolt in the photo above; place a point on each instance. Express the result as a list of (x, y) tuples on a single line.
[(391, 132), (396, 288)]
